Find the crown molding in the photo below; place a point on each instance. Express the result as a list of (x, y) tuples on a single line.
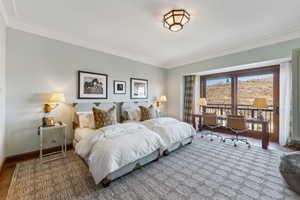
[(54, 35), (3, 12), (267, 40)]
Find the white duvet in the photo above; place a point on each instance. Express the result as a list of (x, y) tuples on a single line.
[(113, 147), (171, 130)]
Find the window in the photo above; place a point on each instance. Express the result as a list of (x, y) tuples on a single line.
[(234, 93)]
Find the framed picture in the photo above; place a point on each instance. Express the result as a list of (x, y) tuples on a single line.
[(138, 88), (119, 87), (92, 85)]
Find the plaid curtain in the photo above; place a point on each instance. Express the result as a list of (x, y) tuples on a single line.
[(188, 107)]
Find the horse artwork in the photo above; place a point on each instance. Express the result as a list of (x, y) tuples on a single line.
[(92, 85)]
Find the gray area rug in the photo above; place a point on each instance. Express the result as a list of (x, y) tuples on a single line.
[(202, 170)]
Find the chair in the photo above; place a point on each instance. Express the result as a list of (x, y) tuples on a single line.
[(210, 120), (290, 170), (237, 124)]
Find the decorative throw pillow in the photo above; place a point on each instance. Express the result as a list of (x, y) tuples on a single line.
[(103, 118), (85, 119), (145, 113)]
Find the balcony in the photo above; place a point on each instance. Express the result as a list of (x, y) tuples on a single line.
[(244, 110)]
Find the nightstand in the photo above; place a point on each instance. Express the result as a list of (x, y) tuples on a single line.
[(55, 133)]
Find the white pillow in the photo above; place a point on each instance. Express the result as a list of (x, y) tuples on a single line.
[(154, 112), (86, 119), (114, 116), (134, 114)]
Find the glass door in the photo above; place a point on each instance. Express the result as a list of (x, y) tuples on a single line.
[(234, 93), (250, 87), (219, 95)]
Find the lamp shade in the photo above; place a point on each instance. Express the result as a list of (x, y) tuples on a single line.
[(163, 99), (57, 97), (202, 102), (260, 103)]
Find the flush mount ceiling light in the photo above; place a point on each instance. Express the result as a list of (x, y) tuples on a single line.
[(176, 19)]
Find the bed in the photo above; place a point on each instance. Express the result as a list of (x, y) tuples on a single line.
[(115, 150), (174, 133)]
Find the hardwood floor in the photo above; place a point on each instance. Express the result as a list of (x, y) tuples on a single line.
[(5, 178)]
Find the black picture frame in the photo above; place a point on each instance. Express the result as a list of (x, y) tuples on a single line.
[(132, 81), (124, 87), (81, 85)]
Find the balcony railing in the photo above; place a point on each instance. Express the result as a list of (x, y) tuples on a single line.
[(245, 110)]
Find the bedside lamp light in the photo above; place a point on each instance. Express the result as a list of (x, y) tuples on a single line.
[(54, 98), (260, 103), (161, 100), (202, 102)]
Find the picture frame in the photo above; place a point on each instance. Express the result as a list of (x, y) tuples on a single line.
[(138, 88), (119, 87), (92, 85)]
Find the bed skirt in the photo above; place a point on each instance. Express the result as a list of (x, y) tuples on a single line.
[(178, 145)]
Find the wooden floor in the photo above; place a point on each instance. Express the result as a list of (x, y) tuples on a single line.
[(8, 168), (5, 178)]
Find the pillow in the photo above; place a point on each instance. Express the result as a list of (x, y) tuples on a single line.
[(103, 118), (145, 113), (133, 114), (85, 120)]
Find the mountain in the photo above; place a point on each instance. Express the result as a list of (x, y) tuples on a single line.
[(220, 93)]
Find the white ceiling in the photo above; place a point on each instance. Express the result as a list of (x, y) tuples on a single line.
[(133, 28)]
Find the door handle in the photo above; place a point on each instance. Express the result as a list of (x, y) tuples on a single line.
[(277, 110)]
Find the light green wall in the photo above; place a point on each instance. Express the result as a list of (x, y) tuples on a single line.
[(296, 95), (37, 66), (276, 51)]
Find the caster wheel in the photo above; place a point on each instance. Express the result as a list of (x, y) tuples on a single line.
[(211, 140), (223, 140), (235, 145), (232, 140), (249, 147), (202, 136)]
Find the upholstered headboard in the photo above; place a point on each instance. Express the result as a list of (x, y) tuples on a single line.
[(88, 107)]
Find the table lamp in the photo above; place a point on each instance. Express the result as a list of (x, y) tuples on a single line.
[(260, 103), (54, 100), (202, 102), (161, 100)]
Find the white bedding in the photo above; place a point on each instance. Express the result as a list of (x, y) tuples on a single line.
[(115, 146), (171, 130), (81, 133)]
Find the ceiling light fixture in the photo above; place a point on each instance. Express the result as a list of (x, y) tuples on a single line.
[(176, 19)]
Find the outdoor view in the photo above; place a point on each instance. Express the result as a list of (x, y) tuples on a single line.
[(249, 87), (218, 91), (218, 95)]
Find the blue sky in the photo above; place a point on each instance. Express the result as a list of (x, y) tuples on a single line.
[(244, 78)]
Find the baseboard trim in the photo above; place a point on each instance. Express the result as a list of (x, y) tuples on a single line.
[(2, 164), (33, 154)]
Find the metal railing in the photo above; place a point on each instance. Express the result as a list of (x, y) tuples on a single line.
[(245, 110)]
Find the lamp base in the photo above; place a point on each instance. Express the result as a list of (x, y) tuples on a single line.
[(48, 121)]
